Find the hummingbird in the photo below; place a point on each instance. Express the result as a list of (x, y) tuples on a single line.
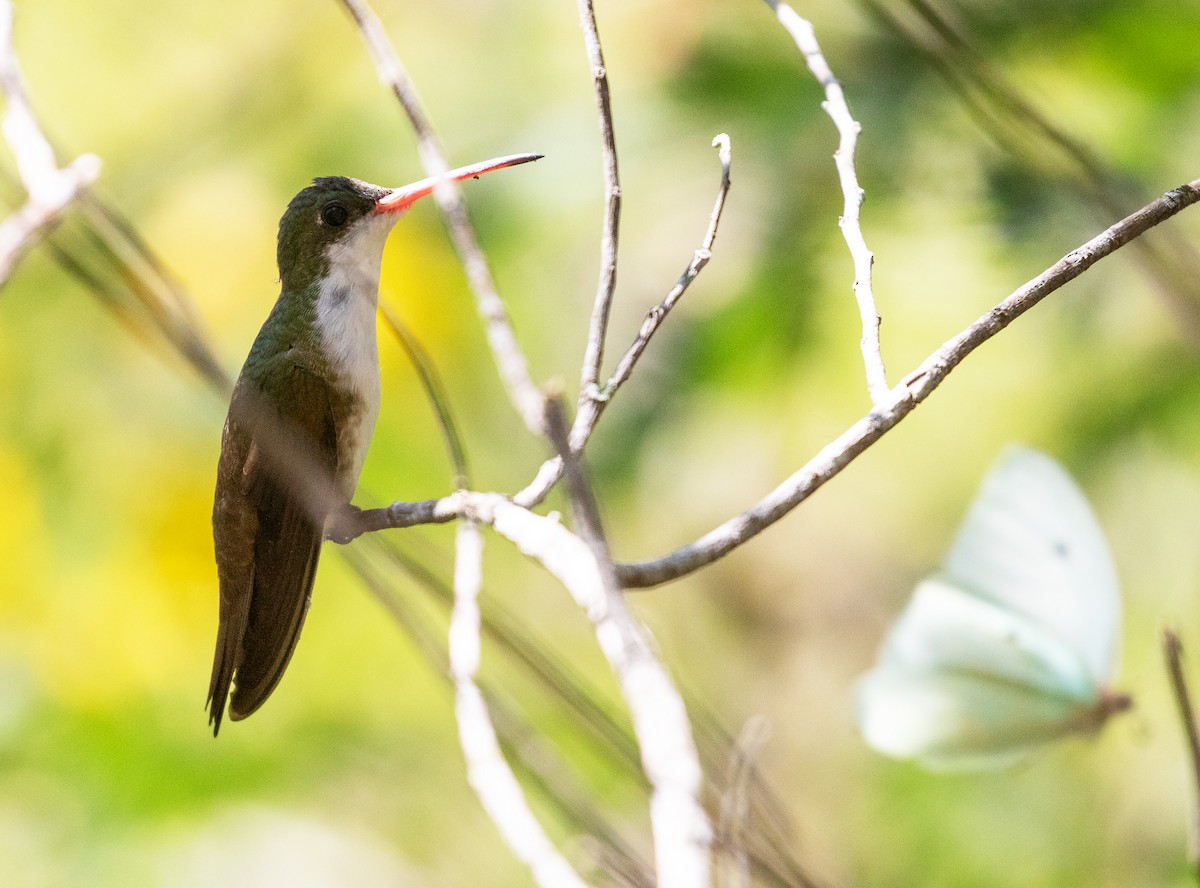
[(300, 420)]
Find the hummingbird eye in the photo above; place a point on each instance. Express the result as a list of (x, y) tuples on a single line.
[(334, 215)]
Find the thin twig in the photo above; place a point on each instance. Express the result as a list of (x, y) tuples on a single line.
[(1173, 653), (537, 763), (848, 129), (682, 834), (902, 400), (838, 454), (487, 770), (593, 406), (431, 381), (1014, 122), (166, 308), (49, 188), (555, 676), (1110, 189), (593, 356), (584, 506), (510, 360)]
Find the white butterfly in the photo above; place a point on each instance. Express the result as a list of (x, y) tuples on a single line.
[(1015, 643)]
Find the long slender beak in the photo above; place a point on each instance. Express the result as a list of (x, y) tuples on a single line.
[(400, 199)]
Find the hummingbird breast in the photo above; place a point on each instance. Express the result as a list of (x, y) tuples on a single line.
[(346, 306)]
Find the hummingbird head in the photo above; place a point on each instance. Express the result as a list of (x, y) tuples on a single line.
[(338, 220), (333, 214)]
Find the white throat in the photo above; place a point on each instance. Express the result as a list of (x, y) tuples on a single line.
[(346, 304), (348, 296)]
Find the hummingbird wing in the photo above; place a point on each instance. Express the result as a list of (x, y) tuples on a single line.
[(268, 526)]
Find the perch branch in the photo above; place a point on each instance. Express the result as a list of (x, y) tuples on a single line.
[(591, 408), (593, 356), (48, 187), (487, 771), (682, 833), (848, 129), (510, 360), (902, 399)]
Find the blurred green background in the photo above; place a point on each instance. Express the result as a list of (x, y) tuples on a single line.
[(209, 117)]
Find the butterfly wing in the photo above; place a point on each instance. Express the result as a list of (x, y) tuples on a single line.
[(1031, 545), (963, 682)]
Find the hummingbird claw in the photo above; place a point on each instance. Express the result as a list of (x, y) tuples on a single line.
[(342, 525)]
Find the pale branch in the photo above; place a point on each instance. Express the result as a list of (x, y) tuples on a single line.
[(848, 128), (583, 502), (510, 360), (20, 229), (838, 454), (901, 400), (49, 188), (682, 833), (487, 770), (1173, 654), (537, 763), (1016, 124), (592, 406), (350, 525), (593, 356)]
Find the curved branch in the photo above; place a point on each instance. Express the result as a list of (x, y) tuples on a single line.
[(593, 404), (901, 400), (848, 129), (510, 360), (487, 771), (50, 188), (682, 834), (593, 356)]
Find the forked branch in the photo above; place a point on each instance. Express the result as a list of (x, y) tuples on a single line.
[(902, 399), (510, 360), (487, 771), (49, 188)]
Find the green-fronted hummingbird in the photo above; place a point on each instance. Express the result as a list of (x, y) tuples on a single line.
[(300, 419)]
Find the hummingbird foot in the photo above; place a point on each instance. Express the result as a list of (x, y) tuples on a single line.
[(343, 524)]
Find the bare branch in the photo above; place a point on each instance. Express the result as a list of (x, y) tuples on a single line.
[(510, 360), (848, 129), (682, 833), (593, 356), (902, 400), (584, 506), (592, 406), (1173, 654), (49, 188), (1016, 124), (487, 771), (350, 525)]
